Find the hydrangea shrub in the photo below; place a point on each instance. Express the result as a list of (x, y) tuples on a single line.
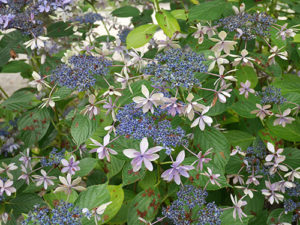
[(150, 112)]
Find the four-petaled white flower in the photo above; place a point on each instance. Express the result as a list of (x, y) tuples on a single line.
[(212, 177), (293, 174), (38, 81), (283, 118), (147, 103), (192, 107), (92, 110), (275, 51), (244, 59), (37, 42), (262, 111), (44, 179), (144, 156), (102, 150), (68, 185), (222, 44), (245, 89), (237, 205), (70, 166), (275, 153), (177, 170), (219, 59), (6, 187), (202, 120), (7, 168), (271, 193)]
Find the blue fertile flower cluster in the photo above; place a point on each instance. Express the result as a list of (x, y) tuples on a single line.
[(88, 18), (248, 26), (191, 208), (54, 158), (272, 95), (8, 134), (135, 124), (80, 72), (63, 213), (123, 34), (177, 68), (26, 16), (255, 156)]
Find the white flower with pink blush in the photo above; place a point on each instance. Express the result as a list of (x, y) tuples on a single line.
[(70, 166), (177, 170), (149, 101), (283, 118), (202, 120), (245, 89), (144, 156), (6, 187), (102, 150)]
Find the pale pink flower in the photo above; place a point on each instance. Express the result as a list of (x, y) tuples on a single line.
[(237, 205), (262, 111), (293, 174), (92, 110), (283, 119), (217, 58), (102, 150), (245, 88), (192, 107), (68, 185), (6, 187), (201, 159), (222, 44), (147, 103), (202, 120), (7, 168), (44, 179), (253, 179), (144, 156), (212, 177), (237, 178), (244, 59), (271, 192), (177, 170), (70, 166), (173, 106), (275, 153)]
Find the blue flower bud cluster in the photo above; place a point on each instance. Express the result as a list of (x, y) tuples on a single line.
[(295, 191), (88, 18), (27, 16), (80, 71), (271, 95), (54, 158), (176, 68), (290, 205), (123, 34), (251, 25), (255, 156), (135, 124), (8, 134), (191, 208), (63, 213)]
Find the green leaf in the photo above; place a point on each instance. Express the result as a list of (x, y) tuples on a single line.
[(239, 138), (277, 216), (291, 132), (126, 11), (33, 125), (114, 167), (51, 198), (59, 29), (292, 157), (86, 166), (93, 197), (179, 14), (62, 93), (129, 177), (16, 67), (117, 197), (140, 36), (81, 129), (246, 73), (20, 100), (23, 203), (227, 218), (167, 23), (288, 83), (145, 205), (211, 10), (297, 38), (212, 138), (149, 180)]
